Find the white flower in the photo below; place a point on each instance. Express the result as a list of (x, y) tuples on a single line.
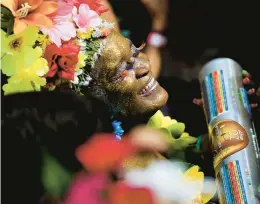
[(97, 33), (167, 180), (79, 72), (76, 80)]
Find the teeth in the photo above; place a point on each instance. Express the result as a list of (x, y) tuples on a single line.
[(148, 86)]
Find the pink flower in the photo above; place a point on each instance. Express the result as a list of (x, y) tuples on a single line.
[(86, 18), (87, 189), (94, 5), (63, 28)]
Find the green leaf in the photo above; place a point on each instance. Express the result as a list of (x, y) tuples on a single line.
[(6, 13), (55, 177), (176, 129), (4, 24), (10, 27)]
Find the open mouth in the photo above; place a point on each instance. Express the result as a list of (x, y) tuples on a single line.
[(149, 87)]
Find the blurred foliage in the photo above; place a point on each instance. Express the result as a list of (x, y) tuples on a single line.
[(55, 177)]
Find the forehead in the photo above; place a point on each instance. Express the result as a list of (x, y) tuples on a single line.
[(117, 49)]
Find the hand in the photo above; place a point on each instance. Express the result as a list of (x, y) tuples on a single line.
[(252, 92), (158, 10)]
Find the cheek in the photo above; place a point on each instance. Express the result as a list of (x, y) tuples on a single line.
[(127, 82), (143, 56)]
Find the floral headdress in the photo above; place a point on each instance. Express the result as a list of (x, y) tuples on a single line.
[(48, 43)]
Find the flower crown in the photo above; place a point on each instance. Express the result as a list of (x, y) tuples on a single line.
[(48, 43)]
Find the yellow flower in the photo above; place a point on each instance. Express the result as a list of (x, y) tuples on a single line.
[(85, 36), (44, 40), (17, 50), (28, 79), (81, 62), (178, 139), (158, 120), (173, 127), (167, 121), (193, 175)]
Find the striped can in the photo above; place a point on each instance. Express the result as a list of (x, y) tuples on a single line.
[(231, 131)]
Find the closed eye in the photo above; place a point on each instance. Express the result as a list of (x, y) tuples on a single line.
[(130, 65)]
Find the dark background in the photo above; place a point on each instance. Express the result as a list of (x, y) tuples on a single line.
[(196, 25)]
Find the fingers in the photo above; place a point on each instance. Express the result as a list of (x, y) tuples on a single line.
[(149, 139), (247, 81), (197, 101), (251, 91), (247, 78), (254, 105), (246, 74)]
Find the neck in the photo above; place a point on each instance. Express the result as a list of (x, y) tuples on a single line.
[(128, 121)]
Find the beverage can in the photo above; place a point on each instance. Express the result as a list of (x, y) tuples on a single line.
[(231, 132)]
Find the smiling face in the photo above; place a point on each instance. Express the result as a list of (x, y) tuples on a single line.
[(123, 76)]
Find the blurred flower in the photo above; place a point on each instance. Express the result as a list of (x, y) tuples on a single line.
[(121, 193), (85, 18), (98, 188), (63, 28), (31, 12), (62, 60), (103, 152), (18, 47), (88, 189), (94, 5), (170, 183)]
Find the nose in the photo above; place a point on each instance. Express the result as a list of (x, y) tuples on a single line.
[(142, 66)]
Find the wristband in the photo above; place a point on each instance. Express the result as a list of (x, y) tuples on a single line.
[(156, 39)]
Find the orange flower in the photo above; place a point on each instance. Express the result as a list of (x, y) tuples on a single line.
[(31, 12), (104, 153), (121, 193)]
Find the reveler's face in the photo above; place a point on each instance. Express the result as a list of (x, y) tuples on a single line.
[(126, 78)]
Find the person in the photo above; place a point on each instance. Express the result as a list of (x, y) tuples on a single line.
[(41, 111)]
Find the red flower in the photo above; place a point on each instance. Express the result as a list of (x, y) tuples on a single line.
[(94, 5), (62, 60), (104, 153), (121, 193)]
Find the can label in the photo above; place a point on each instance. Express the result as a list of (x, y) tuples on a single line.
[(233, 185), (214, 94), (228, 137)]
